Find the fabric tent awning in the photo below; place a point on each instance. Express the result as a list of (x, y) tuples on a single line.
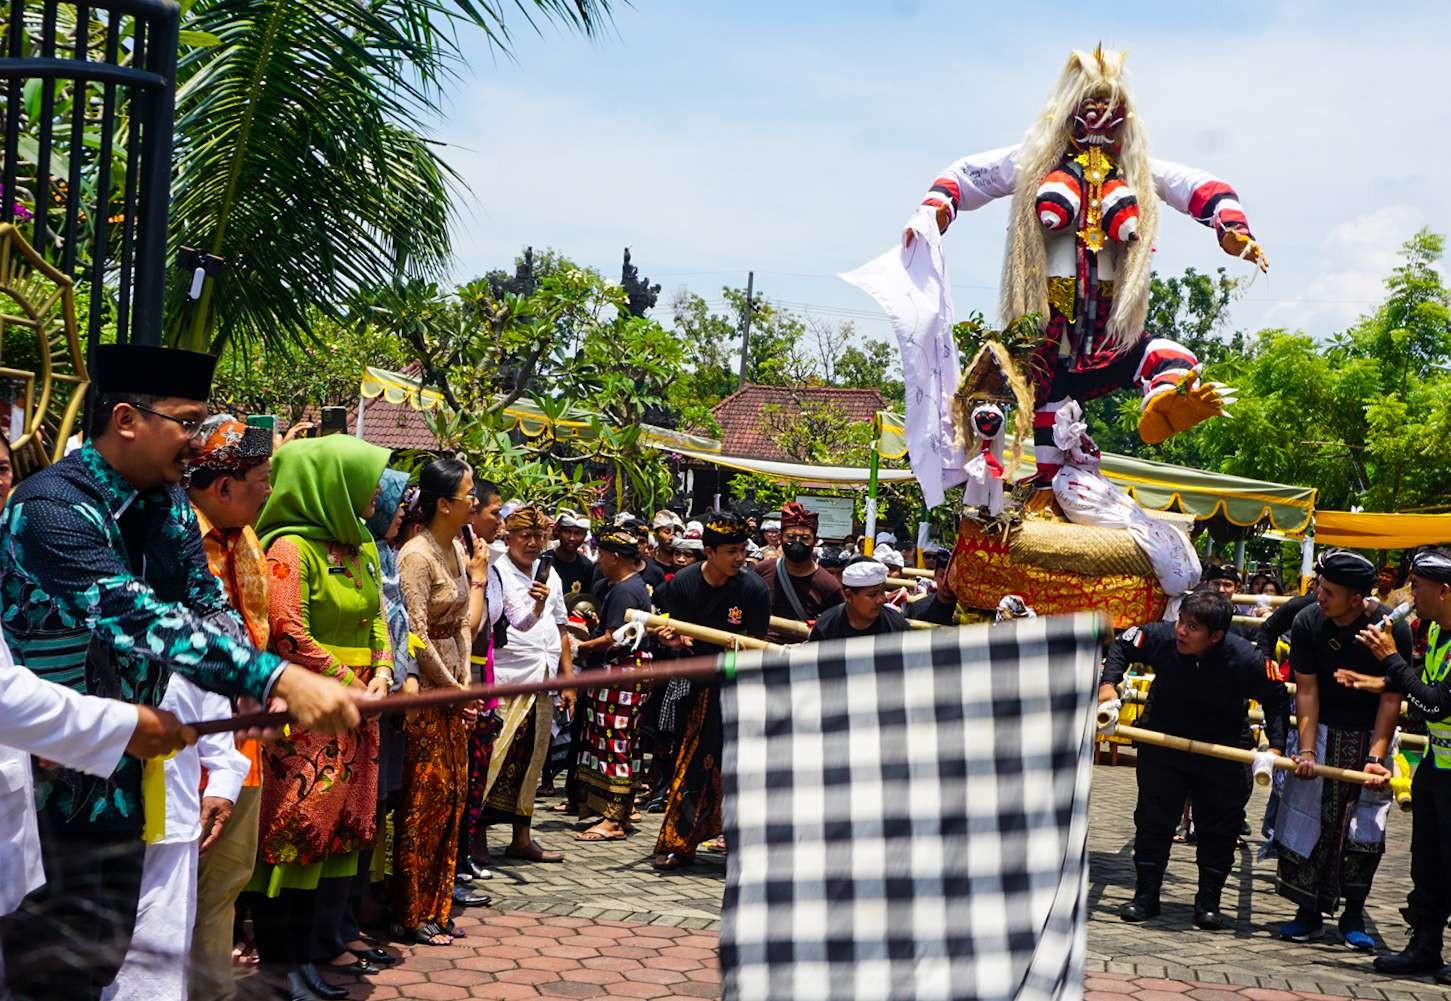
[(530, 420), (1377, 530), (1162, 486), (795, 472)]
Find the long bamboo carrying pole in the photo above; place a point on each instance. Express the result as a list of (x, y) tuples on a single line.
[(1227, 753), (798, 628), (686, 667), (721, 638), (1262, 599)]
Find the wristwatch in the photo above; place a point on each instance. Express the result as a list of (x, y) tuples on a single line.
[(1371, 759)]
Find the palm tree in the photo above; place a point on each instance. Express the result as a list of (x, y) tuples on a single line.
[(298, 160)]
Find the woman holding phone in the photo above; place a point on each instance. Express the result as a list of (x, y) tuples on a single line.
[(443, 591)]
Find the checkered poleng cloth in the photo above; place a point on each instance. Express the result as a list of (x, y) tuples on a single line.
[(907, 815)]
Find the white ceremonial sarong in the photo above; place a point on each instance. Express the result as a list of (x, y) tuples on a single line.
[(910, 284), (155, 964)]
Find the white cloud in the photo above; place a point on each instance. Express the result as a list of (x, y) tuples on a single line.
[(798, 149)]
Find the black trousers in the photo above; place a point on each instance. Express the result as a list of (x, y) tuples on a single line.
[(1219, 790), (1429, 902), (69, 938)]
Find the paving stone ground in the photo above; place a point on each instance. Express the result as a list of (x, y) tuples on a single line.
[(607, 925)]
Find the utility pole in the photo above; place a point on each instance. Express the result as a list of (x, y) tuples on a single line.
[(746, 325)]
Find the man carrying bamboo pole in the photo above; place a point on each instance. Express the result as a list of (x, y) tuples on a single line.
[(1428, 692), (717, 593), (1203, 677), (1323, 856), (865, 611)]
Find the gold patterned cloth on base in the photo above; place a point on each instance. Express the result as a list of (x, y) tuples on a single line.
[(985, 567)]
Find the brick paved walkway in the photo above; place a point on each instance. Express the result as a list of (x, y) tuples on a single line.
[(606, 925)]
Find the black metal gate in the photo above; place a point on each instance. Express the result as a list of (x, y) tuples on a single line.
[(89, 95)]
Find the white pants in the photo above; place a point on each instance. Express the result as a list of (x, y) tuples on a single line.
[(155, 965)]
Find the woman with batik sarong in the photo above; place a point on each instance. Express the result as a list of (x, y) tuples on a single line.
[(609, 742), (319, 793), (443, 590)]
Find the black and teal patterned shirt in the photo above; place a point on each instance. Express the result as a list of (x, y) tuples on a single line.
[(106, 590)]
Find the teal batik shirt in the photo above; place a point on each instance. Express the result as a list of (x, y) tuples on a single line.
[(106, 590)]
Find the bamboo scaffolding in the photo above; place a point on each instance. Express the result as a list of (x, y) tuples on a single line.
[(798, 628)]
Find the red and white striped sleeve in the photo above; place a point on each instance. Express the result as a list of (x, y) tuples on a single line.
[(1201, 196), (973, 181)]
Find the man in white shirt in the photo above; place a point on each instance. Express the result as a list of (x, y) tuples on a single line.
[(156, 962), (76, 731), (532, 654)]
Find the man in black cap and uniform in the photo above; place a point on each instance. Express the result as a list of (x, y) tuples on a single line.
[(106, 590), (1203, 677), (1428, 693), (1322, 856)]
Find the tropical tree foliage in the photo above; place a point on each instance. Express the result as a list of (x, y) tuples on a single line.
[(299, 160)]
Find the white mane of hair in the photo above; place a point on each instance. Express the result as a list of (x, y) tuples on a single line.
[(1025, 276)]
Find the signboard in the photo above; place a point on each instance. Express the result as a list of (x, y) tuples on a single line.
[(835, 514)]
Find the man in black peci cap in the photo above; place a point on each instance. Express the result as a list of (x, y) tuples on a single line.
[(1324, 857), (106, 590)]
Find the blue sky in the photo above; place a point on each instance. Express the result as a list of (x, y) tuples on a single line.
[(796, 138)]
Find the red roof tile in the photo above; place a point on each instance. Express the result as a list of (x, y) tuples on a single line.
[(391, 425), (744, 430)]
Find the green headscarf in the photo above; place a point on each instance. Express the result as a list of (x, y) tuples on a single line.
[(318, 487)]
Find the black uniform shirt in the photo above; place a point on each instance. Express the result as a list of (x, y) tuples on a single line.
[(1319, 647), (741, 605), (834, 625), (928, 609), (576, 575), (1204, 697)]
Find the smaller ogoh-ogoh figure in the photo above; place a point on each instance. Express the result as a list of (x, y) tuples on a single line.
[(1080, 240)]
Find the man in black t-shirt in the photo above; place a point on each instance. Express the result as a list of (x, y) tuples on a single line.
[(1336, 726), (939, 607), (717, 593), (576, 570), (865, 611), (604, 767)]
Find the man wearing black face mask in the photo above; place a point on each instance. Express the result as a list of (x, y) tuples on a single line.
[(800, 589)]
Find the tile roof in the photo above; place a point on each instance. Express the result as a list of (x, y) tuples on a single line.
[(741, 422), (391, 425)]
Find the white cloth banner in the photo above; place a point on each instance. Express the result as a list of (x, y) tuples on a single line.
[(910, 284)]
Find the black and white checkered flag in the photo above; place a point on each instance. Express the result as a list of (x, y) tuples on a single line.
[(907, 815)]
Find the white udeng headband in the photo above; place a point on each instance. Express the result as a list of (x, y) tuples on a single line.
[(865, 573)]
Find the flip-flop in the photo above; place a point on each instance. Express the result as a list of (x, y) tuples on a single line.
[(672, 860), (594, 834), (716, 845)]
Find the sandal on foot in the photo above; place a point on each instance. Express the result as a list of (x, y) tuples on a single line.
[(534, 853), (424, 934), (596, 834), (672, 860)]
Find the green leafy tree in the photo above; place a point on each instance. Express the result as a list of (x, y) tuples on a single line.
[(298, 156)]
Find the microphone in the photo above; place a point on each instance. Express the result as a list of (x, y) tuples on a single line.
[(1397, 614)]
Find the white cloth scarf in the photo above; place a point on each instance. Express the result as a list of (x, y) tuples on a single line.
[(910, 284), (1088, 498)]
